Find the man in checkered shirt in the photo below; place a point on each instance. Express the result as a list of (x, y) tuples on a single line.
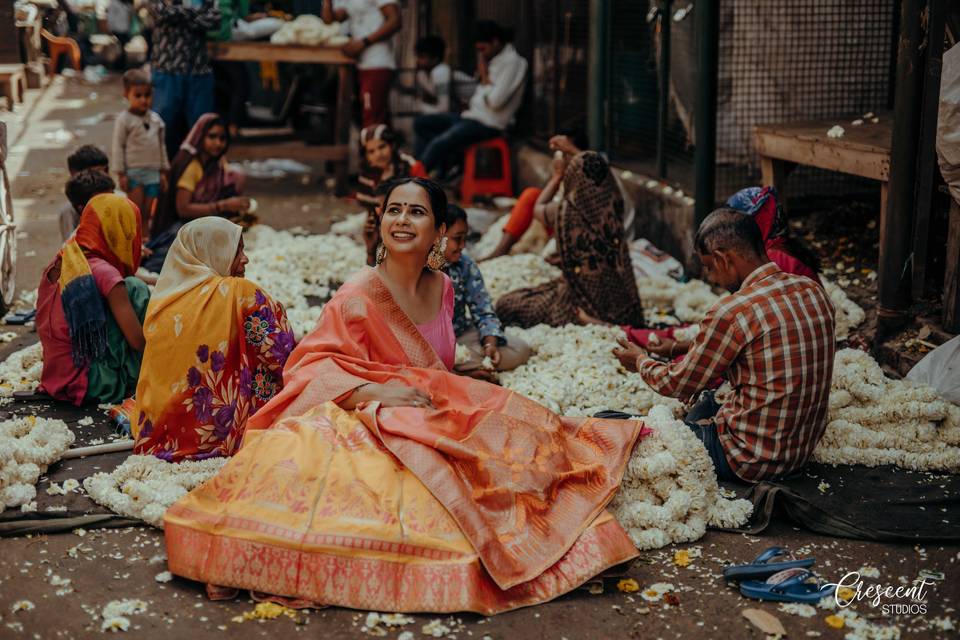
[(772, 338)]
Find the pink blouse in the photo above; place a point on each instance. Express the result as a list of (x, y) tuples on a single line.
[(439, 331)]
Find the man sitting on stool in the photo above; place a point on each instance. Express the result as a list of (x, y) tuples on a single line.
[(501, 72), (772, 338)]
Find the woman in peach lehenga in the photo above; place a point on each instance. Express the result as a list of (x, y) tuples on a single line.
[(377, 479)]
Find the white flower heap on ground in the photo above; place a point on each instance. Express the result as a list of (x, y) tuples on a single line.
[(573, 372), (27, 446), (534, 240), (291, 267), (849, 315), (669, 492), (876, 420), (509, 273), (688, 301), (144, 487), (20, 371)]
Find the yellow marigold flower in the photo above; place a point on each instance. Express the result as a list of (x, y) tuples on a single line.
[(681, 558), (846, 594), (628, 585), (834, 621)]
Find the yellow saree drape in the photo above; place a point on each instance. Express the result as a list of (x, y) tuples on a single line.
[(487, 503)]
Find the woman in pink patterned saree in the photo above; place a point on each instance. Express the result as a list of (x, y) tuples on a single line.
[(377, 479)]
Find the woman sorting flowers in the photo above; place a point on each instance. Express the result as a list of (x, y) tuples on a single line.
[(378, 479), (786, 251), (216, 346), (594, 256), (90, 308), (202, 183), (380, 162)]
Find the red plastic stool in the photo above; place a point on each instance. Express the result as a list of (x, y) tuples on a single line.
[(486, 170)]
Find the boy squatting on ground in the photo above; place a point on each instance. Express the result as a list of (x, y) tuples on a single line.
[(139, 155)]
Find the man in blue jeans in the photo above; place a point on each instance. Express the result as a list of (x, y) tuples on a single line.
[(181, 73), (501, 73)]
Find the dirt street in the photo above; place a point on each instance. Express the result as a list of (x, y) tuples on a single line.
[(104, 565)]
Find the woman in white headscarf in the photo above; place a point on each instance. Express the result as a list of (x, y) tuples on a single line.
[(216, 346)]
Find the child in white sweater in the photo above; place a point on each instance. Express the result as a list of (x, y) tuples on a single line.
[(139, 155)]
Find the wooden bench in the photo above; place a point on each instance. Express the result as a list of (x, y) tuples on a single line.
[(268, 145), (862, 150), (13, 82)]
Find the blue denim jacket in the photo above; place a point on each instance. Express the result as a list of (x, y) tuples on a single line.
[(470, 293)]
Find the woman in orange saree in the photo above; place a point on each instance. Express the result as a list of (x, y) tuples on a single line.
[(377, 479)]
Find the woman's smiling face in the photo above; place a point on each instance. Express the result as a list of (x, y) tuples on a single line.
[(407, 224)]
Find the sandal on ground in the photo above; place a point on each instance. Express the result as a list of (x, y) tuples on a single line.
[(762, 567), (790, 585)]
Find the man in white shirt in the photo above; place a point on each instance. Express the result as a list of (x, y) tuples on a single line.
[(371, 24), (501, 73)]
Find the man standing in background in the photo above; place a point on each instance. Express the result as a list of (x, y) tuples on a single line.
[(370, 24), (179, 64)]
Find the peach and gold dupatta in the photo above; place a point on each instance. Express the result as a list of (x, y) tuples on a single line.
[(521, 482)]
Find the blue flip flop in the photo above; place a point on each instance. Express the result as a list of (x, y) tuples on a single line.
[(790, 585), (762, 567)]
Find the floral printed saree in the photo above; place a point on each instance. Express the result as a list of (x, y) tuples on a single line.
[(216, 346), (485, 503)]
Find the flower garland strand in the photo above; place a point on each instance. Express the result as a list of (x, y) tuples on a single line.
[(28, 446), (143, 487)]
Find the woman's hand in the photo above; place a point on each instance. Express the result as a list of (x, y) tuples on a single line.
[(123, 182), (391, 394), (629, 354), (236, 204), (586, 318), (564, 144)]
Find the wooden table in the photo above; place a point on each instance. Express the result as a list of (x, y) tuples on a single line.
[(862, 151), (339, 152)]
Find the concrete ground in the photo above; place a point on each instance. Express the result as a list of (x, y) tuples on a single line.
[(104, 565)]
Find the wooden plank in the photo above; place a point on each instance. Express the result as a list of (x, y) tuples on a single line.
[(951, 280), (825, 154), (868, 136), (293, 149), (267, 52)]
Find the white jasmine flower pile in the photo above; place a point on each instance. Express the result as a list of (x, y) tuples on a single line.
[(291, 267), (144, 487), (309, 30), (688, 301), (21, 371), (573, 372), (534, 240), (116, 614), (849, 315), (876, 420), (509, 273), (669, 492), (27, 446)]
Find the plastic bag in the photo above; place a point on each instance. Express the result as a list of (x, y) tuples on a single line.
[(940, 369)]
